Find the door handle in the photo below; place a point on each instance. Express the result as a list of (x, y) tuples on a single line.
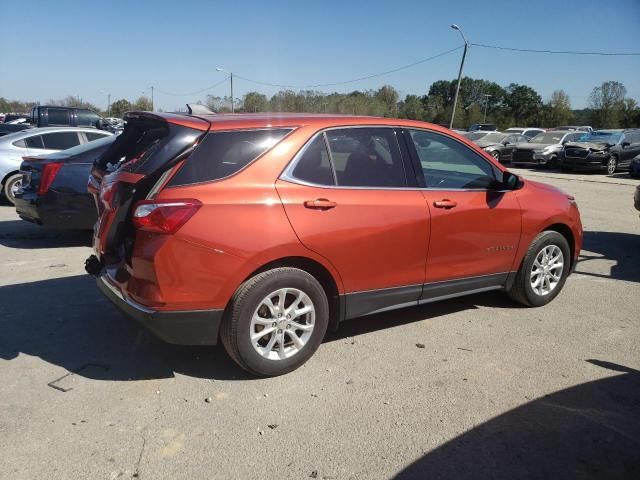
[(320, 204), (446, 203)]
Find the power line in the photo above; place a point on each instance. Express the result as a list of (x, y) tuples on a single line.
[(559, 52), (367, 77), (196, 92)]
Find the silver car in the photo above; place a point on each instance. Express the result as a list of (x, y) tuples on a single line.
[(37, 141), (543, 149)]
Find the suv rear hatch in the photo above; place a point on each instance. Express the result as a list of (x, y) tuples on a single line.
[(144, 153)]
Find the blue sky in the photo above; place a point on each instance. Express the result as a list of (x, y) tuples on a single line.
[(51, 49)]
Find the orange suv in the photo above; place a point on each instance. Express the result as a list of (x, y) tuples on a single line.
[(266, 230)]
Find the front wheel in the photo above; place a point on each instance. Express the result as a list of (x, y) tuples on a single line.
[(552, 164), (276, 321), (495, 154), (11, 187), (543, 271)]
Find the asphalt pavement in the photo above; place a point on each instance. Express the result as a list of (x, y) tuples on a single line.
[(476, 387)]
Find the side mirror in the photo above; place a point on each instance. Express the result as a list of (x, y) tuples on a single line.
[(506, 142), (625, 144), (510, 181), (100, 125)]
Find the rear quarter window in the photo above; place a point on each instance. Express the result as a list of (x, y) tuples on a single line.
[(222, 154)]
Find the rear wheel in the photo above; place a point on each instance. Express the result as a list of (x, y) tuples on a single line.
[(612, 165), (544, 270), (11, 186), (275, 322)]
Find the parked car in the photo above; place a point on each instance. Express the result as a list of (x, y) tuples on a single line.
[(636, 197), (544, 148), (634, 167), (15, 118), (500, 145), (254, 230), (477, 135), (527, 132), (7, 128), (53, 190), (579, 128), (36, 141), (602, 150), (488, 127), (52, 116)]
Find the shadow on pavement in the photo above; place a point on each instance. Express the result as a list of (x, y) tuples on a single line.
[(623, 248), (587, 431), (67, 322), (25, 235)]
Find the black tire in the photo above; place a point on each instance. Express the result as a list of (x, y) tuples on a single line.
[(9, 185), (235, 331), (521, 291), (612, 165), (552, 164), (495, 154)]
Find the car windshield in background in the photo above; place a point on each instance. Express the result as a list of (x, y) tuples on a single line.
[(549, 137), (608, 137), (85, 147), (493, 138), (476, 135)]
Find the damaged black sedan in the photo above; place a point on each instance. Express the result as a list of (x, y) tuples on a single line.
[(601, 150)]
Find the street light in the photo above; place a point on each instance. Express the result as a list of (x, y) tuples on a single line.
[(486, 103), (464, 54), (231, 78)]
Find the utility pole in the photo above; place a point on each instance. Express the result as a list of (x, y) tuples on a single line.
[(464, 54), (231, 77), (486, 103), (108, 105), (152, 109)]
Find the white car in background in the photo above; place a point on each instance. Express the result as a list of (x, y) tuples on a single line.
[(526, 131), (37, 141)]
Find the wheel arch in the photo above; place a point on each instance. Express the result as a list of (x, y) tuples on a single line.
[(320, 273), (6, 177), (566, 232)]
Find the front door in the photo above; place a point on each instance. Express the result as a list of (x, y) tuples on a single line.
[(475, 229), (347, 199)]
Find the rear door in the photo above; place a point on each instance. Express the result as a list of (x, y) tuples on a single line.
[(346, 195), (631, 150), (475, 229), (56, 141)]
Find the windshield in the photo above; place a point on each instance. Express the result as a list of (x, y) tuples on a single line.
[(476, 135), (548, 137), (608, 137), (493, 138)]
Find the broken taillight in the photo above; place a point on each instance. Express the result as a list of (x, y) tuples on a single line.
[(164, 217)]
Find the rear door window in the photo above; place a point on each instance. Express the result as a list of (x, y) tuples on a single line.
[(58, 116), (86, 119), (222, 154), (91, 136), (366, 157), (60, 140)]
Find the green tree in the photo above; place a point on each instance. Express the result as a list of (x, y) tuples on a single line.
[(412, 108), (524, 104), (143, 103), (557, 111), (254, 102), (388, 97), (607, 103), (630, 115), (120, 107)]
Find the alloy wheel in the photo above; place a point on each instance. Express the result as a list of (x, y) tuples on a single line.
[(282, 324), (547, 269), (611, 165)]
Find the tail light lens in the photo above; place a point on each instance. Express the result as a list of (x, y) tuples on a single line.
[(47, 176), (164, 217)]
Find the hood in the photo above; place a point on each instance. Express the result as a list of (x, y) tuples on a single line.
[(535, 146), (546, 187), (482, 144), (597, 146)]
